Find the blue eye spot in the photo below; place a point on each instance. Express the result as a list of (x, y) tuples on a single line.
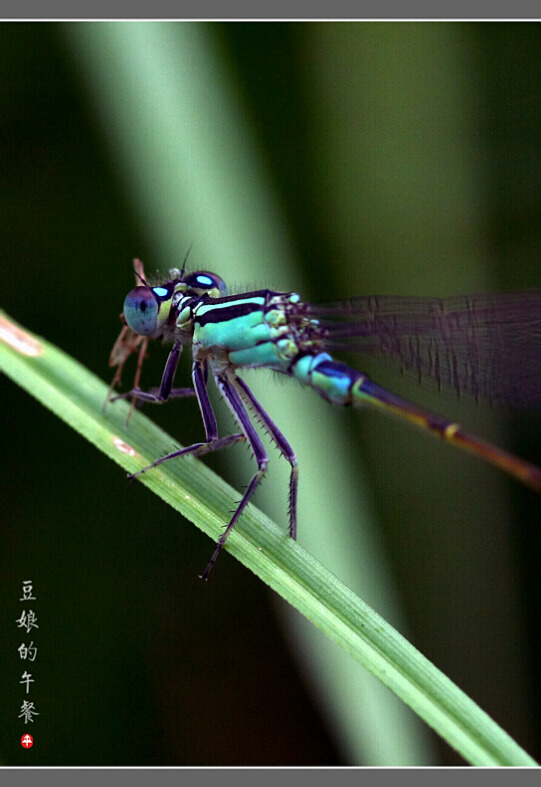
[(205, 281), (161, 292)]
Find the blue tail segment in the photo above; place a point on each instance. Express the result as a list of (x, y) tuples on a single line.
[(336, 382)]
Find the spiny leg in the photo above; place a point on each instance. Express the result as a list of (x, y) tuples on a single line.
[(279, 439), (212, 441), (152, 396), (199, 379), (226, 384), (158, 395), (164, 392), (197, 449)]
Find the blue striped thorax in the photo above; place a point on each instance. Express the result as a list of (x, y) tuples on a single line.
[(262, 328)]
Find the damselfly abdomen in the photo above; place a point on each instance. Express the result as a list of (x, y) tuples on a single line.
[(484, 345)]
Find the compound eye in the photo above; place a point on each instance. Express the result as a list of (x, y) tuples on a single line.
[(141, 311), (204, 281)]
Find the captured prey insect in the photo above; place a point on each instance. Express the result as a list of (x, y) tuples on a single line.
[(485, 345)]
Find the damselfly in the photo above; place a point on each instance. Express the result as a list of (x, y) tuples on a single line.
[(488, 346)]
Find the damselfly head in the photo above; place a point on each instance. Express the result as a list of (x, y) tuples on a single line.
[(146, 308)]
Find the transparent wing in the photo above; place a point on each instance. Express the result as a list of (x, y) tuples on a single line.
[(487, 346)]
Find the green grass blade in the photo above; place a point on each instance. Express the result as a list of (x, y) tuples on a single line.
[(193, 168), (77, 396)]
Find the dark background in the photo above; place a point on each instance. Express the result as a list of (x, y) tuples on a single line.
[(138, 662)]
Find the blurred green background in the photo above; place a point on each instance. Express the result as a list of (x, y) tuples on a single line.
[(333, 159)]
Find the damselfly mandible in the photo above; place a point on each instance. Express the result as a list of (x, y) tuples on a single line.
[(488, 346)]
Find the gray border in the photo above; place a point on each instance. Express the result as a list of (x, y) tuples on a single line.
[(243, 9), (202, 777)]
